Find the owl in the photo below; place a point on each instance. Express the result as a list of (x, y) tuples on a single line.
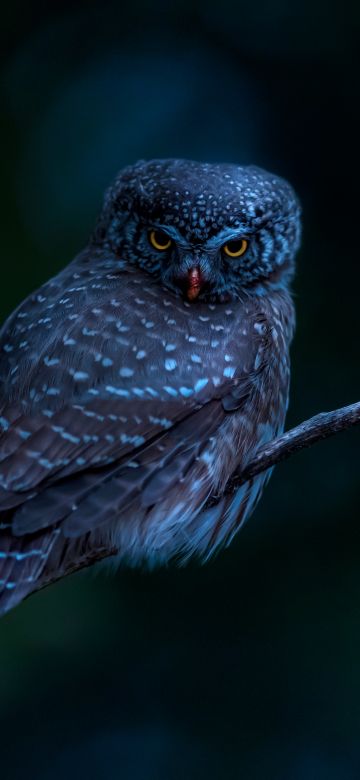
[(141, 378)]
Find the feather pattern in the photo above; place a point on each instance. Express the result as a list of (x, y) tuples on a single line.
[(125, 409)]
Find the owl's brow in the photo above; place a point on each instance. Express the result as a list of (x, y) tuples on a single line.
[(225, 235), (215, 242)]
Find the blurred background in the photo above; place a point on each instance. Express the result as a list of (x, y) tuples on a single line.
[(248, 667)]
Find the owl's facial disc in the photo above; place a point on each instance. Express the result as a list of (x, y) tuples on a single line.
[(197, 270)]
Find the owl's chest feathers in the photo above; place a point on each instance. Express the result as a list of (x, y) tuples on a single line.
[(129, 333), (189, 338)]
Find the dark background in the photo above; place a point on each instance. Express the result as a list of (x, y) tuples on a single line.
[(248, 667)]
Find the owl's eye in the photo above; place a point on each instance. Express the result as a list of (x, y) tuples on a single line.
[(236, 248), (159, 240)]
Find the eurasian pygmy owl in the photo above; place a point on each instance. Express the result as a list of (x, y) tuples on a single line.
[(136, 382)]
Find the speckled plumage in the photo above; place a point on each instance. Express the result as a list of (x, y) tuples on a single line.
[(124, 408)]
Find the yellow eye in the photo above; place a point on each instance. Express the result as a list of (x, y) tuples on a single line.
[(159, 240), (236, 248)]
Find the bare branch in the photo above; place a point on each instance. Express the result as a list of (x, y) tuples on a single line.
[(304, 435)]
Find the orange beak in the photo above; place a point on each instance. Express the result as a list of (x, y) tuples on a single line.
[(194, 283)]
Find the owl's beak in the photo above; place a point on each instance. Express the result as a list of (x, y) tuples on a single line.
[(194, 283)]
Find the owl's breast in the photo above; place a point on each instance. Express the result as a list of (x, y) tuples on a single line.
[(130, 336)]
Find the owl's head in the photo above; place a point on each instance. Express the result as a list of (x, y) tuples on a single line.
[(206, 231)]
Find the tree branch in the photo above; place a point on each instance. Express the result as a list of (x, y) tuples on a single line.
[(304, 435)]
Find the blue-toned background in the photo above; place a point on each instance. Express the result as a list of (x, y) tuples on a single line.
[(248, 668)]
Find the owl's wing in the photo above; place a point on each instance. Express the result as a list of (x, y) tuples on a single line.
[(145, 454), (87, 459), (91, 428)]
